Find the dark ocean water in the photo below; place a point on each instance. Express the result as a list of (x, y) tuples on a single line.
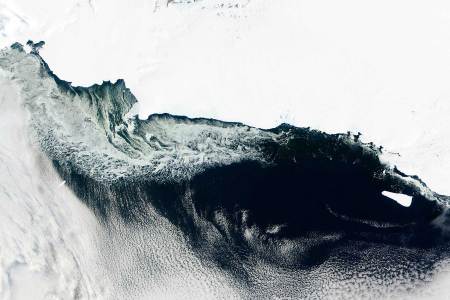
[(306, 205)]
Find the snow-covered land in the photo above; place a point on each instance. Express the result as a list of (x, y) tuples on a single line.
[(380, 68)]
